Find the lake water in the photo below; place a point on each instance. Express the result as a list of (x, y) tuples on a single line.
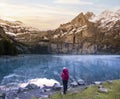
[(90, 68)]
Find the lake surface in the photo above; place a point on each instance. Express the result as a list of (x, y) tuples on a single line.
[(90, 68)]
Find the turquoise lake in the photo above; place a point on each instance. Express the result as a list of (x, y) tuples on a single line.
[(90, 68)]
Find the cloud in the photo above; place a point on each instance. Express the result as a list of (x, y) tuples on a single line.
[(36, 15), (7, 9), (77, 2)]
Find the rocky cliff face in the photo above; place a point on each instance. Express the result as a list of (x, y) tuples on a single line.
[(89, 34), (74, 36)]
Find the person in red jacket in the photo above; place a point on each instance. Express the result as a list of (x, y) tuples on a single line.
[(65, 78)]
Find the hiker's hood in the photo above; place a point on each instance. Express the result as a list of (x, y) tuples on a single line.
[(65, 70)]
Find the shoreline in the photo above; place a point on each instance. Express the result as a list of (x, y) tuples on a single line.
[(46, 91), (7, 56)]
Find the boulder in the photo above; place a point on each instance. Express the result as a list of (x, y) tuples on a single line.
[(31, 86), (57, 87), (27, 88), (109, 81), (81, 82), (74, 84), (46, 87), (97, 83), (46, 90), (100, 86), (22, 90), (103, 90)]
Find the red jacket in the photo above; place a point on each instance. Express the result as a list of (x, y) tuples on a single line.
[(65, 74)]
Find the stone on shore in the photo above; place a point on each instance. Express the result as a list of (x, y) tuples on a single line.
[(74, 84), (31, 86), (97, 83), (27, 88), (103, 90), (81, 82), (109, 81), (22, 90), (56, 87)]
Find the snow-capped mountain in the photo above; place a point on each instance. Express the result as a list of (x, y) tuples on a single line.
[(13, 27), (9, 21), (88, 33), (107, 18), (85, 34)]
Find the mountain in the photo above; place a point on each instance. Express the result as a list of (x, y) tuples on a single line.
[(85, 34), (89, 34), (25, 38), (9, 46), (13, 27)]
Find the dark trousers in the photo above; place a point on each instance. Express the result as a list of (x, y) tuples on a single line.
[(65, 84)]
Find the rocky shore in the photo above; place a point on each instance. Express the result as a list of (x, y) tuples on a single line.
[(30, 90)]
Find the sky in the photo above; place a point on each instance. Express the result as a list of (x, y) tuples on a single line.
[(49, 14)]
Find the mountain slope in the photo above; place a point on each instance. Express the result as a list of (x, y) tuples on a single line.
[(9, 46), (84, 36)]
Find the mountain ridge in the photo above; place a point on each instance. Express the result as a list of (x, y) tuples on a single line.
[(89, 37), (85, 34)]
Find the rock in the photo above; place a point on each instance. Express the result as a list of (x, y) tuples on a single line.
[(103, 90), (16, 98), (97, 83), (81, 82), (22, 90), (27, 88), (57, 87), (2, 95), (74, 84), (32, 86), (109, 81), (47, 90), (47, 87), (100, 86), (45, 96)]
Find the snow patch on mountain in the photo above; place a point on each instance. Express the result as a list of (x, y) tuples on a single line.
[(106, 15), (11, 34), (106, 18)]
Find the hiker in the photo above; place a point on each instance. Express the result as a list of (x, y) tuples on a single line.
[(65, 77)]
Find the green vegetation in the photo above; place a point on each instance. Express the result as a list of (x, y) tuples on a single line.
[(7, 47), (34, 98), (92, 92)]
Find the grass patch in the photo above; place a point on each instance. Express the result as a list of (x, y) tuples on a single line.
[(92, 92)]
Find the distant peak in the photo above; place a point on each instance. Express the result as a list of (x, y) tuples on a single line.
[(107, 13), (80, 15), (7, 19), (10, 21), (89, 15), (80, 20)]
